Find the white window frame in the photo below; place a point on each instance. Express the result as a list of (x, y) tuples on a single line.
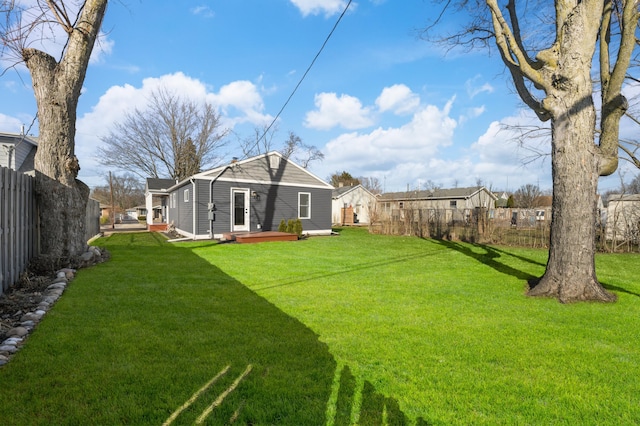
[(274, 162), (300, 205), (186, 195)]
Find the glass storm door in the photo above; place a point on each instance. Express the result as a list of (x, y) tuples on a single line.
[(240, 210)]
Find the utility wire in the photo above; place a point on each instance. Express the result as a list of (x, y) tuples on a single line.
[(295, 89)]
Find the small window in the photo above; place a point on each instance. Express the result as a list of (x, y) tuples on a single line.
[(274, 162), (401, 205), (186, 195), (453, 204), (304, 205)]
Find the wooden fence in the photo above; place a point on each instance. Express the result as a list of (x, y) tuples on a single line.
[(19, 224)]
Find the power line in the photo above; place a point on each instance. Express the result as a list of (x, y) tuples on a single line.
[(295, 89)]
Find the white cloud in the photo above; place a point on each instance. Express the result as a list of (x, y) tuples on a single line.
[(238, 102), (345, 111), (9, 124), (317, 7), (242, 96), (102, 47), (203, 10), (502, 157), (398, 154), (399, 99), (474, 89)]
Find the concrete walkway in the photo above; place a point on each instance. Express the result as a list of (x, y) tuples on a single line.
[(123, 227)]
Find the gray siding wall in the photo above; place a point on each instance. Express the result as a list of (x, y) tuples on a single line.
[(22, 150), (181, 214), (274, 204)]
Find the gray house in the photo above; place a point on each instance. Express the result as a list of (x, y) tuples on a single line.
[(17, 152), (251, 195)]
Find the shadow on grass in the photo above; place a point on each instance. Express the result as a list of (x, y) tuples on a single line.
[(375, 409), (619, 289), (158, 335), (489, 258), (346, 270)]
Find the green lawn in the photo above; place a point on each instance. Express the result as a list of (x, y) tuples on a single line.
[(332, 330)]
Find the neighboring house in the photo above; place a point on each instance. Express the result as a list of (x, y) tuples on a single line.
[(137, 211), (352, 205), (623, 218), (251, 195), (502, 200), (18, 151), (156, 194), (456, 202)]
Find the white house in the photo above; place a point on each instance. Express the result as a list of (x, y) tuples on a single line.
[(17, 152), (352, 205), (623, 217)]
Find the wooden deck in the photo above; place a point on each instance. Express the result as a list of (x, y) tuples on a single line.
[(259, 237)]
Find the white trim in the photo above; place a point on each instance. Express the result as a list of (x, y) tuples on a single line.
[(193, 236), (264, 182), (205, 174), (308, 206), (247, 206), (317, 232)]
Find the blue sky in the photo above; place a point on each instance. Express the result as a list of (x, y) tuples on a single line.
[(378, 102)]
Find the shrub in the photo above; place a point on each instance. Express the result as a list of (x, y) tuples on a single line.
[(104, 220), (283, 226), (142, 218)]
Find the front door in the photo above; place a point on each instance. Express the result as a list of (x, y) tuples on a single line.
[(239, 210)]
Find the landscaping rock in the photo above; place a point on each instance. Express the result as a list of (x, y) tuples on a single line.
[(18, 331), (23, 305)]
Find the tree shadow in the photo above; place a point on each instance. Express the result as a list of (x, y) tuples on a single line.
[(619, 289), (375, 409), (158, 335), (489, 258)]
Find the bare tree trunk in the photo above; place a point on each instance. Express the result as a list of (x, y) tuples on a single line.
[(62, 199), (570, 274)]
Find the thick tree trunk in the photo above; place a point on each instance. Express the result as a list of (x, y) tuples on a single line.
[(62, 199), (570, 275)]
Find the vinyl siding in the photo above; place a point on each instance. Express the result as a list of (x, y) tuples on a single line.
[(182, 213), (259, 170), (275, 203)]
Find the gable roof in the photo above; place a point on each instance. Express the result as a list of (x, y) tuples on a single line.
[(270, 168), (17, 138), (624, 197), (344, 190), (443, 194)]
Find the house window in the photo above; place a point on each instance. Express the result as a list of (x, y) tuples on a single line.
[(186, 195), (453, 204), (304, 205), (401, 205), (274, 162)]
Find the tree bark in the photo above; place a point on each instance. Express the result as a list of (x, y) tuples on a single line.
[(570, 275), (61, 198)]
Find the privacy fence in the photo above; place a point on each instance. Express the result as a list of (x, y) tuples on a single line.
[(19, 228)]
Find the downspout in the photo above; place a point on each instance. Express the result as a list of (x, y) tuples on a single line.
[(211, 205)]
